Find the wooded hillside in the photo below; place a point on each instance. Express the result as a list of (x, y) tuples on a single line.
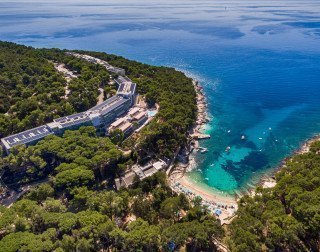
[(286, 217)]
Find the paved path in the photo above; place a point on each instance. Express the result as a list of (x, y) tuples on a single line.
[(17, 194), (101, 96)]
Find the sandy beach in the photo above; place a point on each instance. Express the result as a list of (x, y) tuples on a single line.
[(224, 207), (207, 194), (215, 201)]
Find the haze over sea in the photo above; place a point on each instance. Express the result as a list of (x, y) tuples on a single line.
[(258, 61)]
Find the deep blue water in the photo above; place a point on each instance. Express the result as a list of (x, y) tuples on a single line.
[(259, 63)]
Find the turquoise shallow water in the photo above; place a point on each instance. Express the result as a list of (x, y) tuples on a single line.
[(259, 64)]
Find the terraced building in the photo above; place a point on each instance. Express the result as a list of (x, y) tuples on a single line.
[(100, 116)]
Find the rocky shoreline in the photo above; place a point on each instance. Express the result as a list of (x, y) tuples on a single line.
[(195, 133), (270, 181), (185, 162), (202, 117), (225, 206)]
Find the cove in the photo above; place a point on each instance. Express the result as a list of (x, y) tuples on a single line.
[(259, 65)]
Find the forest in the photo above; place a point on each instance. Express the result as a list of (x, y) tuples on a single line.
[(175, 95), (32, 93), (77, 210), (74, 206), (286, 217)]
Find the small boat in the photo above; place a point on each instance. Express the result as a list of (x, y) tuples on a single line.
[(229, 131), (204, 151), (243, 137), (260, 138), (206, 179), (228, 149)]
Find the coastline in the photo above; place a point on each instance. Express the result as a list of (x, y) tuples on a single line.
[(269, 181), (180, 182), (223, 206)]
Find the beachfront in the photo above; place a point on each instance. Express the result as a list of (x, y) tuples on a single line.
[(223, 207)]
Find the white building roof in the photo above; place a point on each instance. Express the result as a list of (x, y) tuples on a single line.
[(159, 165), (134, 111), (118, 122)]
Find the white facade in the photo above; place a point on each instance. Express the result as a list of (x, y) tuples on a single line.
[(100, 115)]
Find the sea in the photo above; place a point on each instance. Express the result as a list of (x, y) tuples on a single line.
[(258, 63)]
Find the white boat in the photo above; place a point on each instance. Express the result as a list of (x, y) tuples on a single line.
[(204, 151), (228, 149), (243, 137)]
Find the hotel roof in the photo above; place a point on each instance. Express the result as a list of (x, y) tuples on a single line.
[(146, 167), (134, 111), (120, 183), (140, 115), (122, 79), (74, 119), (129, 178), (150, 171), (125, 126), (138, 171), (110, 107), (125, 85), (159, 165), (26, 136), (105, 103), (118, 122)]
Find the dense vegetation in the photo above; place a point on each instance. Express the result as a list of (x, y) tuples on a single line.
[(77, 210), (174, 93), (32, 91), (71, 213), (74, 207), (78, 157), (286, 217)]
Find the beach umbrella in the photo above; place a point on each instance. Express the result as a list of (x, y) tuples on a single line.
[(218, 212), (171, 246)]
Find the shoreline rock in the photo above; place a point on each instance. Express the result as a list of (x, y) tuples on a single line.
[(269, 181), (202, 114), (181, 168)]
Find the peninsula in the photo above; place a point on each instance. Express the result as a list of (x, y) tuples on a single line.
[(65, 150)]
